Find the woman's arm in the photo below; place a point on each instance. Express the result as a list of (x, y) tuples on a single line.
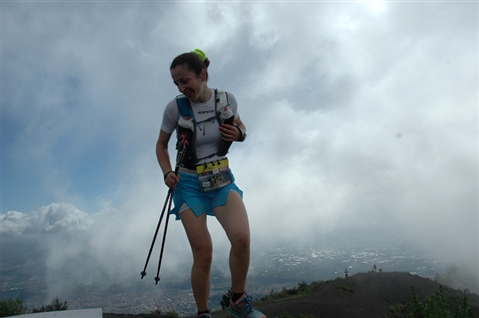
[(240, 124), (163, 157)]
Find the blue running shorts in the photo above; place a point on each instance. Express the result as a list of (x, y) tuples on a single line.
[(188, 192)]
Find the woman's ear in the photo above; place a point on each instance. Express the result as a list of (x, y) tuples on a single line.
[(203, 75)]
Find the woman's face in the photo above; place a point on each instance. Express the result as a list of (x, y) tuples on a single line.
[(188, 83)]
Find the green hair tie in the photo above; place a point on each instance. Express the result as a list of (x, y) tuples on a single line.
[(200, 53)]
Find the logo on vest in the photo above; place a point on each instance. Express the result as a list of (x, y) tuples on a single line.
[(201, 112)]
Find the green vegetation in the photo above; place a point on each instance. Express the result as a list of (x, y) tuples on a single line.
[(12, 307), (301, 290), (433, 306), (56, 305), (346, 288)]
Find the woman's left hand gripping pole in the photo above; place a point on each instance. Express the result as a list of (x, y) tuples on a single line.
[(183, 144)]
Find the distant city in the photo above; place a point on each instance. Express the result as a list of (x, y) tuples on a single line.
[(271, 271)]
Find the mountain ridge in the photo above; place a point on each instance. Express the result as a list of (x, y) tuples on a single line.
[(363, 295)]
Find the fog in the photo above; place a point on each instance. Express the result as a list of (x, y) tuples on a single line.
[(362, 124)]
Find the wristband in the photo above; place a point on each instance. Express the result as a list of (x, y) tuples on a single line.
[(242, 134), (166, 175)]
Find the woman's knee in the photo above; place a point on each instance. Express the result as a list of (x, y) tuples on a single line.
[(203, 255), (241, 241)]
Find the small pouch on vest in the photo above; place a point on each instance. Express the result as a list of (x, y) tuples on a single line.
[(214, 175)]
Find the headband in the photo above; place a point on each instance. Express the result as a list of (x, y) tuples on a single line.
[(200, 53)]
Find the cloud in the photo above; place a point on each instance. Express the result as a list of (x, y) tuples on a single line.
[(13, 223), (54, 218)]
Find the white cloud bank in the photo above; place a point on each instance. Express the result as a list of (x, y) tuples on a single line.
[(54, 218)]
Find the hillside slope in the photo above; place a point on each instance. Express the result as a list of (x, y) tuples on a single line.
[(364, 295)]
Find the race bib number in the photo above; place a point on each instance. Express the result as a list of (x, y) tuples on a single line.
[(214, 175)]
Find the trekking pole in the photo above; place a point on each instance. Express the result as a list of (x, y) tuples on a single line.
[(157, 277), (169, 198), (179, 159)]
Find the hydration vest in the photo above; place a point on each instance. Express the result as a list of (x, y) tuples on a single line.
[(187, 125)]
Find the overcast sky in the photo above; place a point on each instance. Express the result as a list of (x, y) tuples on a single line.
[(362, 118)]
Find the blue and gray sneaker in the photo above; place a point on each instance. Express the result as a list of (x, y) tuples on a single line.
[(204, 316), (242, 308)]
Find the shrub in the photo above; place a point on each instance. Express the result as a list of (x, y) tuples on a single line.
[(56, 305), (12, 307), (346, 288), (435, 306)]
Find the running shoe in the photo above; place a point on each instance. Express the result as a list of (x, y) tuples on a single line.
[(242, 308)]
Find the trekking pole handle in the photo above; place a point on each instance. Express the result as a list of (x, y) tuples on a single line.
[(183, 143), (181, 153)]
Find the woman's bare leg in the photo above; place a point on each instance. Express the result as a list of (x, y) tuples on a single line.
[(234, 220), (202, 248)]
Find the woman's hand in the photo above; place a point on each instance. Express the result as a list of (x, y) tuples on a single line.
[(171, 179), (229, 132)]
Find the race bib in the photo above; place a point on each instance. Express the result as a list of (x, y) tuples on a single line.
[(214, 175)]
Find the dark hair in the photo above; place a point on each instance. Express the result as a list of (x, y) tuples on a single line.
[(192, 62)]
